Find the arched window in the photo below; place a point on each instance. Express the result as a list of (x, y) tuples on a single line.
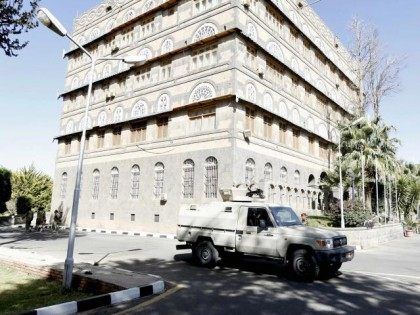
[(206, 30), (163, 103), (139, 109), (135, 182), (146, 53), (274, 49), (110, 25), (82, 123), (249, 171), (94, 34), (283, 175), (148, 5), (268, 172), (69, 126), (268, 102), (296, 177), (95, 186), (63, 186), (296, 116), (167, 46), (106, 72), (75, 83), (115, 174), (251, 31), (118, 114), (128, 15), (188, 179), (202, 92), (159, 179), (311, 180), (210, 177), (251, 93), (102, 118), (283, 109)]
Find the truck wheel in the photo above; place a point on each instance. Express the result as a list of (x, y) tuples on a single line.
[(329, 270), (205, 254), (304, 265)]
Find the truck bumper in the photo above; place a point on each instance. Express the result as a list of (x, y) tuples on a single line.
[(336, 255)]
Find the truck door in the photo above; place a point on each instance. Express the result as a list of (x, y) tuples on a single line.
[(255, 232)]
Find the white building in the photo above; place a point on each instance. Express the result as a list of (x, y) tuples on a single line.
[(233, 92)]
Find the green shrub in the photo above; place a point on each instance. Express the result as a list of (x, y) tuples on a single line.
[(354, 214)]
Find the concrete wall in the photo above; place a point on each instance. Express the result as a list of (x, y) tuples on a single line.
[(366, 238)]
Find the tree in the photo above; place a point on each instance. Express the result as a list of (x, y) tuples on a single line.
[(379, 72), (5, 188), (37, 186), (14, 20), (23, 205)]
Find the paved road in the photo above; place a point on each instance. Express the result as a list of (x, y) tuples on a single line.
[(384, 280)]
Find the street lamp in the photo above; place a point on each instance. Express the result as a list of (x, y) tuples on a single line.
[(339, 169), (50, 21)]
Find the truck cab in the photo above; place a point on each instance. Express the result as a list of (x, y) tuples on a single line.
[(246, 225)]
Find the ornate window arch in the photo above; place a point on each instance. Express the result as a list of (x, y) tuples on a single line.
[(283, 109), (106, 71), (146, 53), (211, 177), (204, 31), (128, 15), (274, 49), (296, 177), (283, 174), (115, 174), (164, 103), (188, 179), (135, 182), (251, 31), (148, 5), (94, 34), (310, 124), (63, 186), (251, 93), (95, 184), (82, 122), (296, 116), (268, 172), (75, 83), (167, 46), (102, 118), (70, 126), (118, 114), (110, 25), (268, 101), (87, 77), (159, 174), (201, 92), (249, 171), (139, 109)]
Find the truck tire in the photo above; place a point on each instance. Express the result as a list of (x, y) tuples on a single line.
[(304, 265), (205, 254), (329, 270)]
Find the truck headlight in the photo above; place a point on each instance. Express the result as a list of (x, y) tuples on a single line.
[(325, 243)]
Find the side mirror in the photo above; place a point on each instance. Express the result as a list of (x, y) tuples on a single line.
[(263, 224)]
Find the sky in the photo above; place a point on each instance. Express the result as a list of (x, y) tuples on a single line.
[(29, 83)]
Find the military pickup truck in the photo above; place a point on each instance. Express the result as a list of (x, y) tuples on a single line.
[(245, 225)]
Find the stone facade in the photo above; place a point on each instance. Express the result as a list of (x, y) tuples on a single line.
[(233, 92)]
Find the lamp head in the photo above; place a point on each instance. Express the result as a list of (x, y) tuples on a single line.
[(135, 60), (50, 21)]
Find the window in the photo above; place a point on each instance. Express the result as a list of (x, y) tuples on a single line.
[(111, 216), (249, 119), (205, 31), (67, 147), (138, 132), (249, 171), (203, 5), (165, 71), (283, 175), (258, 215), (251, 57), (274, 74), (268, 122), (162, 125), (282, 132), (148, 27), (323, 151), (133, 217), (92, 215), (159, 179), (202, 119), (116, 136), (118, 114), (95, 186), (296, 177), (114, 183), (268, 172), (296, 136), (204, 57), (142, 77), (127, 36), (188, 179), (210, 177), (63, 187), (311, 145), (135, 182), (156, 218), (139, 109), (101, 139)]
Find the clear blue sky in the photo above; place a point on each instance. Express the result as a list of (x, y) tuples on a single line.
[(29, 84)]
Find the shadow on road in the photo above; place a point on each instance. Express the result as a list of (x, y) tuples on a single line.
[(256, 286), (9, 235)]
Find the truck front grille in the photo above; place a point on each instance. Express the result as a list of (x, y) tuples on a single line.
[(340, 241)]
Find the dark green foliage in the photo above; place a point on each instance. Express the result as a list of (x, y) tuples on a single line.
[(354, 215), (5, 188), (15, 19), (23, 205)]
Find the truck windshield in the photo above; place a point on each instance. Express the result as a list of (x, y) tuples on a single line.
[(285, 216)]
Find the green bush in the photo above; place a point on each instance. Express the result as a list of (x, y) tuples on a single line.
[(319, 221), (354, 214)]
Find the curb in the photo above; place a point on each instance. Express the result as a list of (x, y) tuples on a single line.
[(108, 299)]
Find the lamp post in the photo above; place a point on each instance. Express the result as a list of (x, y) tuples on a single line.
[(339, 169), (50, 21)]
